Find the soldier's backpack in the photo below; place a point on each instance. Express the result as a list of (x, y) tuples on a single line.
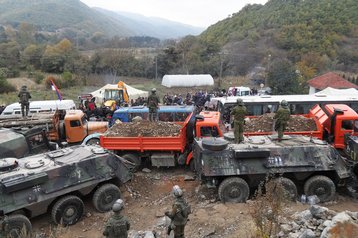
[(24, 97)]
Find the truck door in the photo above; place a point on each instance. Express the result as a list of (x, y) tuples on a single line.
[(342, 128), (76, 130)]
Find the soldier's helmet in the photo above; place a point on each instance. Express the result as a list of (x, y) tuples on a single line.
[(118, 205), (23, 87), (177, 192), (284, 103), (240, 102), (154, 90)]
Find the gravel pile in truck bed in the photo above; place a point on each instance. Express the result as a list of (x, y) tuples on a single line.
[(264, 123), (144, 128)]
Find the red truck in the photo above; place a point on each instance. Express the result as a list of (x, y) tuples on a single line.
[(333, 122), (166, 151)]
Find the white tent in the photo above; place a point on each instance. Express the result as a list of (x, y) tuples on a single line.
[(133, 93), (187, 80), (334, 91)]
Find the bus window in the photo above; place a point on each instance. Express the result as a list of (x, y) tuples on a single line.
[(267, 108), (135, 114), (165, 116), (17, 112), (254, 110)]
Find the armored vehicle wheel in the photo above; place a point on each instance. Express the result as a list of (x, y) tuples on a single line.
[(18, 226), (93, 141), (133, 159), (67, 210), (215, 144), (321, 186), (289, 188), (105, 196), (234, 189)]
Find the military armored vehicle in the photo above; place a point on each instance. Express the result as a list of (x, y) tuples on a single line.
[(301, 164), (20, 142), (54, 182)]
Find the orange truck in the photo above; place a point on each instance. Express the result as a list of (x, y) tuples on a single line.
[(333, 122), (166, 151), (74, 128)]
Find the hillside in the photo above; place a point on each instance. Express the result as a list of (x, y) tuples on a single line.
[(152, 26), (75, 16), (294, 28)]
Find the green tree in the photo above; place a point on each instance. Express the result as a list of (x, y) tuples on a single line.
[(283, 78)]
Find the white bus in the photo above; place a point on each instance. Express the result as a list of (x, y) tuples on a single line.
[(39, 106), (298, 104)]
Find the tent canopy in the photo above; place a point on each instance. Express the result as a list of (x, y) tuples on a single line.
[(133, 93), (187, 80), (334, 91)]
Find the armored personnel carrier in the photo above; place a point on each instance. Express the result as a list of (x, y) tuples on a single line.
[(300, 164), (54, 182)]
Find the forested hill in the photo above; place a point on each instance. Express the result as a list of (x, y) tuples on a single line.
[(325, 27), (76, 18)]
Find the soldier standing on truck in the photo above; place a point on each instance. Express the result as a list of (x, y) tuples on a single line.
[(118, 225), (239, 112), (24, 97), (153, 104), (179, 214), (281, 118)]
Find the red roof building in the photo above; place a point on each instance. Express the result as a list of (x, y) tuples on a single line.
[(329, 79)]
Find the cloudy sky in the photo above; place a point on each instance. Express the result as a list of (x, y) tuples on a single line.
[(201, 13)]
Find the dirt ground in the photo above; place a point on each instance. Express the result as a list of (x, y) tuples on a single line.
[(148, 196)]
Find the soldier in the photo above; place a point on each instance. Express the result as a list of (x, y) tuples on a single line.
[(24, 97), (179, 214), (3, 224), (281, 118), (153, 104), (239, 112), (118, 225)]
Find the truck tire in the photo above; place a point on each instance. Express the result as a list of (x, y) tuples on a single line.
[(18, 226), (67, 210), (322, 186), (93, 141), (289, 188), (105, 196), (215, 144), (133, 159), (234, 189)]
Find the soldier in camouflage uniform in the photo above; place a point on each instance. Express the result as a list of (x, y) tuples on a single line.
[(153, 104), (24, 97), (281, 118), (3, 224), (239, 112), (118, 225), (179, 214)]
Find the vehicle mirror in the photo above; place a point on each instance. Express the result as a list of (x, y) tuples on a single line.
[(199, 117), (64, 144)]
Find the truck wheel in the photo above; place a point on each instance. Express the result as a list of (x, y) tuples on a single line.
[(67, 210), (234, 190), (215, 144), (322, 186), (133, 159), (105, 196), (289, 188), (93, 141), (18, 226)]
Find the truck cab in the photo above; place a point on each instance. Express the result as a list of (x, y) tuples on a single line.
[(76, 126), (338, 120)]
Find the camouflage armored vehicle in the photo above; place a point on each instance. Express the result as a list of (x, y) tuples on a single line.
[(20, 142), (54, 182), (300, 164)]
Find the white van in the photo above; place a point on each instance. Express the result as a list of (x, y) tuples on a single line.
[(40, 106), (240, 91)]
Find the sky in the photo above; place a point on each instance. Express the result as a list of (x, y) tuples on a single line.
[(202, 13)]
